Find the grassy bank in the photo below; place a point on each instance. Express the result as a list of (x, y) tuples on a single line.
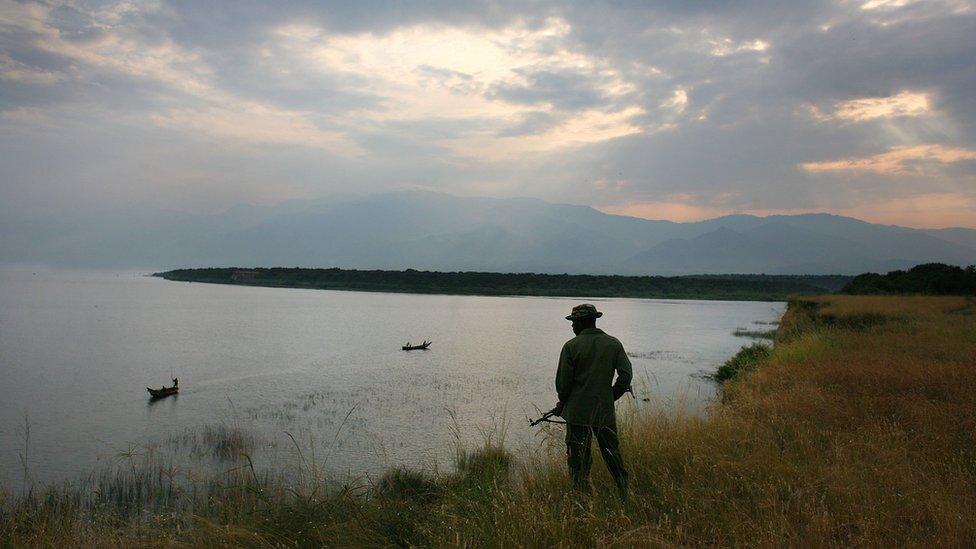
[(858, 428)]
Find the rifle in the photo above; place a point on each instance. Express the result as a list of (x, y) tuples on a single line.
[(545, 417)]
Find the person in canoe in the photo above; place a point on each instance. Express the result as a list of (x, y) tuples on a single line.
[(409, 347)]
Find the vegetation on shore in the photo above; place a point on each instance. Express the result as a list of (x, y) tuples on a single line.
[(927, 279), (755, 334), (729, 287), (857, 429), (747, 359)]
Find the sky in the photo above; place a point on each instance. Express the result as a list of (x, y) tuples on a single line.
[(664, 110)]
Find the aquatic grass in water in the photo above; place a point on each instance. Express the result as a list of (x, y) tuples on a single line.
[(656, 355), (488, 461), (221, 442), (756, 334), (409, 486), (227, 444), (748, 358)]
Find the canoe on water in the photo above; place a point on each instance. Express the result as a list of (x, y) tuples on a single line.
[(164, 392), (423, 346)]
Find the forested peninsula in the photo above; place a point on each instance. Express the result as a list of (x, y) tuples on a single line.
[(717, 287)]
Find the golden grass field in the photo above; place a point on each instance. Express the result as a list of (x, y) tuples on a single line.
[(859, 429)]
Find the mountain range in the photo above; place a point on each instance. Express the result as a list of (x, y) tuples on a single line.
[(433, 231)]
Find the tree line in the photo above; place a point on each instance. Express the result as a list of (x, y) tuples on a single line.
[(926, 279), (733, 287)]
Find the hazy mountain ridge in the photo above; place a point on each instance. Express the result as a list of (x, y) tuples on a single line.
[(432, 231)]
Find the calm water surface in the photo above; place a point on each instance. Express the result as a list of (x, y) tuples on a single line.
[(77, 350)]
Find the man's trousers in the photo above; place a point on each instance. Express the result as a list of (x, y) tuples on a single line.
[(578, 441)]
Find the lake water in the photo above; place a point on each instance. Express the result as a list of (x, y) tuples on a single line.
[(77, 350)]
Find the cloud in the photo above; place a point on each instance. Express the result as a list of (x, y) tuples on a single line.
[(540, 93), (916, 159), (887, 13), (726, 47), (559, 89), (886, 4), (25, 115), (671, 210), (11, 69), (698, 108), (259, 124), (904, 104), (954, 6), (677, 102), (203, 107), (530, 123), (927, 210)]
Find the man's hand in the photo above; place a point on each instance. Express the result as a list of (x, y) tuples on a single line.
[(619, 391), (556, 411)]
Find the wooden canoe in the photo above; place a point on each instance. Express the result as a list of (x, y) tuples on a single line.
[(164, 392)]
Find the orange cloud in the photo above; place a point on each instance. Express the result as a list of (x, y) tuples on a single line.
[(876, 4), (897, 161), (905, 103), (928, 210), (671, 211), (726, 47), (931, 210)]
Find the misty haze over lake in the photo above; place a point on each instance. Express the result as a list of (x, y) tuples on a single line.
[(442, 232)]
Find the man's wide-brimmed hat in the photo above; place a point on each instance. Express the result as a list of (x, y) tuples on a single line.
[(584, 311)]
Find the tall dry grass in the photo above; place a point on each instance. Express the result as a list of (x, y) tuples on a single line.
[(858, 429)]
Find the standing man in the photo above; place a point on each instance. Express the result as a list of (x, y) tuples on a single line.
[(584, 383)]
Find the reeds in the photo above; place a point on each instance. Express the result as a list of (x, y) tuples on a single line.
[(754, 334), (747, 359), (857, 428)]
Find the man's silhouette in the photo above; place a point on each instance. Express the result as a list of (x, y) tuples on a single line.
[(584, 383)]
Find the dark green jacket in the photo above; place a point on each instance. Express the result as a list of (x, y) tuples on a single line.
[(584, 379)]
